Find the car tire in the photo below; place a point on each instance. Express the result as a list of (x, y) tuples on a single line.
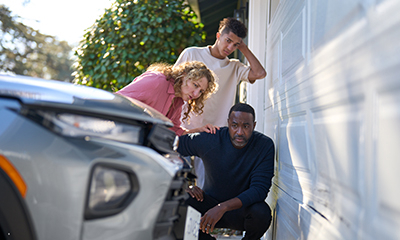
[(15, 221)]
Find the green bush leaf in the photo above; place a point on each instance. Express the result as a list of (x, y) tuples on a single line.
[(130, 36), (170, 29)]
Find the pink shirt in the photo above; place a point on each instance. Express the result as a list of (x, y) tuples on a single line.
[(153, 89)]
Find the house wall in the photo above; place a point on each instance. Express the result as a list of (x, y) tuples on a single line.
[(331, 103)]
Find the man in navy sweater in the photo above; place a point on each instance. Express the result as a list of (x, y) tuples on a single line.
[(239, 166)]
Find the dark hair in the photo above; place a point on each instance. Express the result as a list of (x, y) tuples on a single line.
[(232, 25), (242, 107)]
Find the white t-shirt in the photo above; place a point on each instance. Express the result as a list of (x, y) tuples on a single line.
[(230, 72)]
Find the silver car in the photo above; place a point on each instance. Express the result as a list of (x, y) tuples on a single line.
[(82, 163)]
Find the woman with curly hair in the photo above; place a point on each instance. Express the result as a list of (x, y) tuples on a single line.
[(166, 88)]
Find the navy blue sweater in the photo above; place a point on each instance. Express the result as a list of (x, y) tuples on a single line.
[(229, 172)]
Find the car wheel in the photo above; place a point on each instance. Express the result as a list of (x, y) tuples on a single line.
[(15, 221)]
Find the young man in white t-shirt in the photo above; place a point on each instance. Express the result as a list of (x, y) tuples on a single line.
[(229, 72)]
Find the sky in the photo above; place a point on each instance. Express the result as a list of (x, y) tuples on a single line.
[(65, 19)]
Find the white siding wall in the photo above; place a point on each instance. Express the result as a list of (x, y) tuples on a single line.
[(331, 102), (257, 30)]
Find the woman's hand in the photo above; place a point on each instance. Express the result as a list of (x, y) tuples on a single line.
[(208, 128)]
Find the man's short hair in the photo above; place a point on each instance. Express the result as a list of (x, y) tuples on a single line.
[(242, 107), (232, 25)]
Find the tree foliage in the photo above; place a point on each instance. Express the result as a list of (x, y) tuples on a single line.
[(130, 36), (26, 51)]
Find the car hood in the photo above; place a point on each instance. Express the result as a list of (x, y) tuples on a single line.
[(72, 97)]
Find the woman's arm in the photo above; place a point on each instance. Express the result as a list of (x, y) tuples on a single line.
[(208, 128)]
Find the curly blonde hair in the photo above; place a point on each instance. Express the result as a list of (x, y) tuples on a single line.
[(194, 71)]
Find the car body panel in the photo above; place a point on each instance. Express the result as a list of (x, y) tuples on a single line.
[(57, 168)]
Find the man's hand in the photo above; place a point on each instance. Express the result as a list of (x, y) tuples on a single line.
[(210, 218), (257, 71), (195, 192), (242, 46), (213, 215)]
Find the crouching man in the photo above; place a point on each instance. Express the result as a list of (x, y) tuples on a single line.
[(239, 166)]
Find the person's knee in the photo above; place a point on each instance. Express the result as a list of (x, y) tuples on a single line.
[(201, 206), (261, 213), (257, 220), (193, 203), (190, 201)]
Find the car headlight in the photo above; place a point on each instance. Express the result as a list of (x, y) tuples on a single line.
[(163, 139), (74, 125), (111, 189)]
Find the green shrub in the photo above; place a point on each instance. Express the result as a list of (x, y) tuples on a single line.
[(130, 36)]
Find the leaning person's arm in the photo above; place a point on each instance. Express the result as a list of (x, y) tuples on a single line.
[(176, 120), (257, 71), (208, 128), (179, 130), (197, 144)]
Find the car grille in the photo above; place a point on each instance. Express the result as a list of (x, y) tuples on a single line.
[(168, 216)]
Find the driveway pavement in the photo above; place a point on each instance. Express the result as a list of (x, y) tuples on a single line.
[(229, 237)]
